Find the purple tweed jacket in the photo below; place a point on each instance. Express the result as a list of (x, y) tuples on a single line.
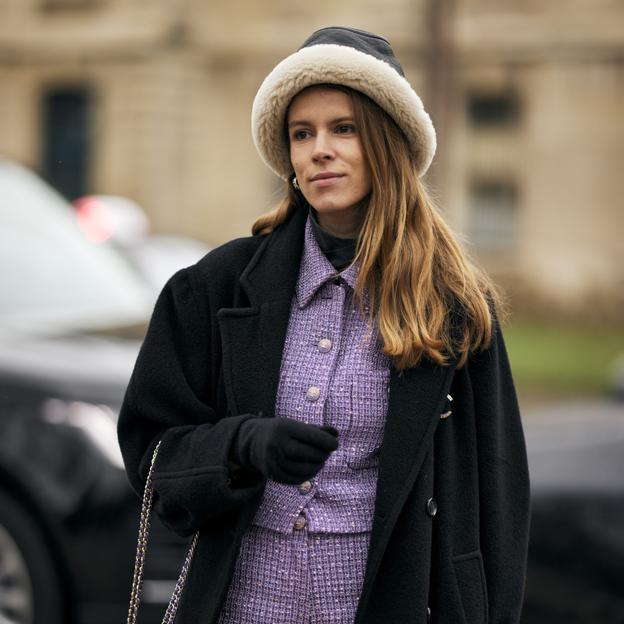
[(332, 373)]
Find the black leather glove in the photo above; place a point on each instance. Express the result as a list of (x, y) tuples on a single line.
[(283, 449)]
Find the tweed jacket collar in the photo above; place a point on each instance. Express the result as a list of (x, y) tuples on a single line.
[(316, 270)]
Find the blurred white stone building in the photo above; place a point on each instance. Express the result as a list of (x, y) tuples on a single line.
[(151, 99)]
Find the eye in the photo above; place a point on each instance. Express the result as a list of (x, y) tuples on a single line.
[(345, 129), (300, 135)]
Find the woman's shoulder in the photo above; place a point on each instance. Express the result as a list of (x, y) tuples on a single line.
[(225, 263), (235, 253)]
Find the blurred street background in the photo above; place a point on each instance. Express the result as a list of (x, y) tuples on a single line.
[(126, 153)]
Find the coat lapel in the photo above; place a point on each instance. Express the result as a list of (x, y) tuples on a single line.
[(417, 397), (253, 338)]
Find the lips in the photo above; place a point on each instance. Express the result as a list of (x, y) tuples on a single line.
[(326, 175), (326, 179)]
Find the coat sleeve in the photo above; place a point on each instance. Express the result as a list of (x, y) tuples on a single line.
[(168, 399), (503, 481)]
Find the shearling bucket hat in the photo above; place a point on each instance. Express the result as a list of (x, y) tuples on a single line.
[(344, 56)]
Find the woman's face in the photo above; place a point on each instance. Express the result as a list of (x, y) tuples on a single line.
[(327, 157)]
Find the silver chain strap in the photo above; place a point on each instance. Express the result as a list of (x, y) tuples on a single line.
[(141, 551)]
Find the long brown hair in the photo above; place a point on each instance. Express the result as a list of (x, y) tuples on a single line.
[(428, 297)]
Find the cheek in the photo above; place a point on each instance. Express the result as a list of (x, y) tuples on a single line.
[(295, 160), (297, 156), (365, 176), (361, 167)]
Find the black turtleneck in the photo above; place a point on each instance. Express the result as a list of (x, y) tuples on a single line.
[(339, 251)]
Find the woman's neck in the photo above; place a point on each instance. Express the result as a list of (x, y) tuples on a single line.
[(338, 250), (342, 224)]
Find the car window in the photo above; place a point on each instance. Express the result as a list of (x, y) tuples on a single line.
[(52, 277)]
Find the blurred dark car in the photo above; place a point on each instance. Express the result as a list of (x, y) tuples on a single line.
[(576, 551), (72, 314)]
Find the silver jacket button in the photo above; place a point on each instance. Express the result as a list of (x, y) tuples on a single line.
[(313, 393), (305, 487), (324, 345)]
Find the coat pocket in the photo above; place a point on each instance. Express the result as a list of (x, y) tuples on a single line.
[(470, 577)]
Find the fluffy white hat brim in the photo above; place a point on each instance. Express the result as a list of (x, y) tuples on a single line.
[(337, 64)]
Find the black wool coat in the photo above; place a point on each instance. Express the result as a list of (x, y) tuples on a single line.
[(450, 527)]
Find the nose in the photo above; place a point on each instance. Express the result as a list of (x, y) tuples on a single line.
[(323, 149)]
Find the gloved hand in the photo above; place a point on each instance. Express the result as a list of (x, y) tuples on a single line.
[(283, 449)]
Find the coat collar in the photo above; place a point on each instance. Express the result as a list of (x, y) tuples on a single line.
[(271, 275), (252, 338)]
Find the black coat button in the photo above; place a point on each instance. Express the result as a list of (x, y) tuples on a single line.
[(428, 614), (432, 507)]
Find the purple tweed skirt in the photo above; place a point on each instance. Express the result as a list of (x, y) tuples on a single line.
[(302, 577)]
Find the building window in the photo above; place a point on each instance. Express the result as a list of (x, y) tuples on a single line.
[(493, 214), (66, 140), (496, 110)]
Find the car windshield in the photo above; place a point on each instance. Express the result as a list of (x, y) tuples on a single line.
[(53, 279)]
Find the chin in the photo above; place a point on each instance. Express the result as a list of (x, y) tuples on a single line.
[(327, 205), (327, 209)]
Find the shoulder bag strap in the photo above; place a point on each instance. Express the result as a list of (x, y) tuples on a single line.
[(139, 562)]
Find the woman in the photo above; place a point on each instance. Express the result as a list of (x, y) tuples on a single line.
[(332, 395)]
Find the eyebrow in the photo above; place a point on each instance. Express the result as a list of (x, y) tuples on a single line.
[(304, 122)]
